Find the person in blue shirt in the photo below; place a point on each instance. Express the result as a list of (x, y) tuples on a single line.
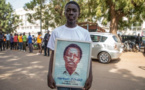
[(30, 43), (11, 42), (7, 40)]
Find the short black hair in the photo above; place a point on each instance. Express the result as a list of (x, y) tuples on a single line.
[(74, 46), (73, 2)]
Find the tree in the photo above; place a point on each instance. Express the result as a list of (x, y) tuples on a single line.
[(8, 20), (40, 9), (56, 8), (113, 11)]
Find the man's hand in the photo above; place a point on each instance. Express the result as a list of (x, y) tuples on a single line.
[(89, 80), (51, 82), (88, 83)]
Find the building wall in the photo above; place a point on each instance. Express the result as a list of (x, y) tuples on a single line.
[(26, 26), (135, 30)]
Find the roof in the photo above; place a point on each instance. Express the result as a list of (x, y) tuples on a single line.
[(101, 33)]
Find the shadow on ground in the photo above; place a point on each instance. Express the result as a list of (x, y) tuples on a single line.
[(25, 71), (112, 61)]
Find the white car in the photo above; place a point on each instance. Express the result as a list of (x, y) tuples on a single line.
[(105, 46)]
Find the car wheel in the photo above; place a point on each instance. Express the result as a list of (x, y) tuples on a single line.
[(104, 57)]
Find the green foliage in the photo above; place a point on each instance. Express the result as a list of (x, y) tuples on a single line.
[(91, 11), (8, 20), (133, 10), (40, 12)]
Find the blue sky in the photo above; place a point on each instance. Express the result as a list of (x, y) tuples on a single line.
[(17, 3)]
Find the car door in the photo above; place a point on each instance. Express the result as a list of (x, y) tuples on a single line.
[(96, 45)]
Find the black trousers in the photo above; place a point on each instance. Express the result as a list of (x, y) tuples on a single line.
[(46, 50), (4, 45), (11, 45), (24, 46), (15, 45), (1, 44), (8, 44)]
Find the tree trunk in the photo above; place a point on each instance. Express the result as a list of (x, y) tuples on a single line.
[(114, 20)]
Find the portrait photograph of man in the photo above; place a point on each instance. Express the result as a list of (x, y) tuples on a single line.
[(69, 61)]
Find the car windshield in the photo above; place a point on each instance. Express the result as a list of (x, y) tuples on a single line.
[(116, 39), (98, 38)]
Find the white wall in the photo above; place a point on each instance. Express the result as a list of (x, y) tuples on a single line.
[(27, 27)]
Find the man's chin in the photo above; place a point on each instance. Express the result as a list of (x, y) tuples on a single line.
[(71, 21), (71, 70)]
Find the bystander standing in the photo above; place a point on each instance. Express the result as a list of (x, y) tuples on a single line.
[(30, 43), (1, 40), (8, 40), (24, 42), (4, 42), (139, 41), (46, 49), (21, 42), (39, 43), (11, 42), (15, 41)]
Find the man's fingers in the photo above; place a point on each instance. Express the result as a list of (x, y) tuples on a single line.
[(54, 84), (83, 88), (87, 86)]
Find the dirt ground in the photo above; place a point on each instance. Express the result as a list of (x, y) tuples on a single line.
[(28, 71)]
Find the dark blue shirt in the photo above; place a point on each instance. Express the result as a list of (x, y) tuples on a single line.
[(1, 37), (11, 39)]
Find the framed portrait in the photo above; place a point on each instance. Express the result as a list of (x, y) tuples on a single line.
[(71, 63)]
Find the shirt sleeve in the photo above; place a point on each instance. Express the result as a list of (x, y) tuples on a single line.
[(88, 38), (51, 42)]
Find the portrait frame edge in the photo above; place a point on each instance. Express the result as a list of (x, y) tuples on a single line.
[(89, 61)]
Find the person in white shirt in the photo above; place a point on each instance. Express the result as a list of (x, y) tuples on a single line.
[(69, 31)]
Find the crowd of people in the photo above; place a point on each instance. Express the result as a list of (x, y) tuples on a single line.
[(21, 41), (139, 41)]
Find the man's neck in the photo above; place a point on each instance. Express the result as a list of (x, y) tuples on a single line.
[(71, 24)]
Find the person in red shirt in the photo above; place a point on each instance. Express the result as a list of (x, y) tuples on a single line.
[(15, 41)]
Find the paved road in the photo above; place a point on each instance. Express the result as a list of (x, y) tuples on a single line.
[(25, 71)]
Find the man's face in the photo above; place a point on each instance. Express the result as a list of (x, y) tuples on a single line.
[(71, 13), (48, 32), (72, 58)]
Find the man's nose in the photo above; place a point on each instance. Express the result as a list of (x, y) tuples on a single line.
[(72, 57), (71, 12)]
